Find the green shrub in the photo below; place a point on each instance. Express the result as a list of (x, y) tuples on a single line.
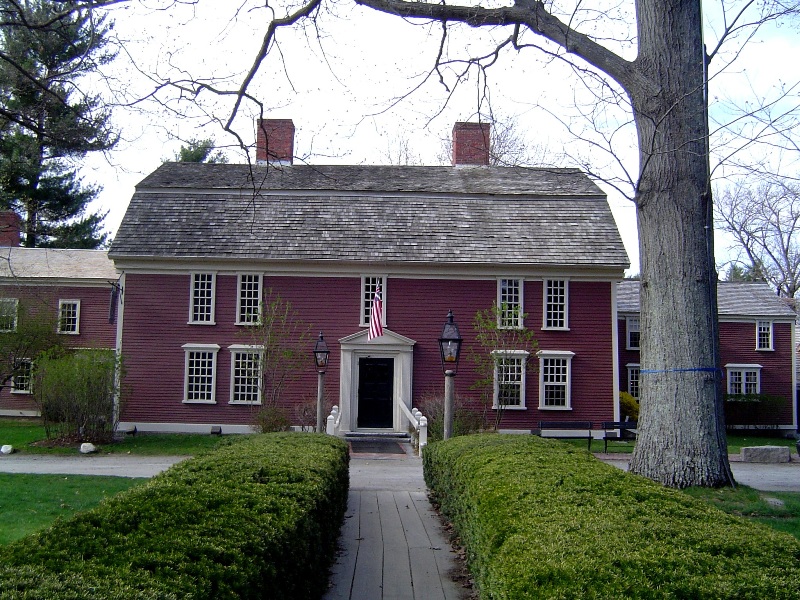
[(541, 519), (628, 406), (466, 420), (269, 418), (754, 409), (75, 392), (256, 518)]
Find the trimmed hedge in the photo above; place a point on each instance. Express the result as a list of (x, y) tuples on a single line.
[(541, 519), (258, 518)]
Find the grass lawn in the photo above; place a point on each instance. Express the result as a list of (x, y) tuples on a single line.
[(32, 502), (21, 433), (779, 510)]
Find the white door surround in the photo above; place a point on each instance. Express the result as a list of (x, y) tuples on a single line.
[(389, 345)]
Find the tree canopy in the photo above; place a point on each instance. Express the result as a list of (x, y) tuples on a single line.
[(47, 120)]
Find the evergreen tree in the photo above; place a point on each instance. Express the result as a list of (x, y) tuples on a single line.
[(200, 151), (48, 122)]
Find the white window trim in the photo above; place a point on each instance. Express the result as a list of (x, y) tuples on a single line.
[(260, 277), (628, 345), (630, 367), (562, 354), (15, 302), (495, 394), (521, 283), (188, 349), (771, 336), (364, 310), (213, 298), (29, 391), (250, 349), (566, 305), (77, 304), (743, 368)]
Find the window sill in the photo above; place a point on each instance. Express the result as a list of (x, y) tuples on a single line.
[(509, 407), (201, 323), (631, 348), (69, 332), (555, 408), (244, 403), (765, 349), (21, 392), (555, 328), (199, 402)]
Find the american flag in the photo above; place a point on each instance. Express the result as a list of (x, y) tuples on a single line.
[(376, 316)]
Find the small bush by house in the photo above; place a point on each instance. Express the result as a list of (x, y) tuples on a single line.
[(257, 518), (541, 519)]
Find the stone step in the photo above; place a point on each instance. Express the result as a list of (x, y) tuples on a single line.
[(377, 436)]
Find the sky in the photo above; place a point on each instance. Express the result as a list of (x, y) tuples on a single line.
[(360, 91)]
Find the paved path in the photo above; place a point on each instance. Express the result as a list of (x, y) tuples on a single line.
[(118, 465), (766, 477)]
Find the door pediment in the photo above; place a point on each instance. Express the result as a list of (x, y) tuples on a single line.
[(389, 340)]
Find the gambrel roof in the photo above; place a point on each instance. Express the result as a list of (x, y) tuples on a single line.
[(751, 299), (372, 214)]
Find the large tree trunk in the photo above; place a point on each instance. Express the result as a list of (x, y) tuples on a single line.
[(682, 429)]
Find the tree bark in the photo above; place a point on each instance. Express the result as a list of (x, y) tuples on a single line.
[(682, 429)]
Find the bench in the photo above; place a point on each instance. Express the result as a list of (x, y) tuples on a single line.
[(567, 430), (616, 431)]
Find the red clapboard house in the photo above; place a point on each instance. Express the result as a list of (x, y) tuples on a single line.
[(203, 245), (72, 288), (757, 354)]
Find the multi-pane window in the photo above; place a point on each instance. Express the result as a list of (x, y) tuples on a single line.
[(245, 375), (8, 314), (509, 378), (201, 368), (69, 316), (369, 284), (555, 304), (744, 379), (248, 305), (764, 335), (202, 300), (21, 381), (633, 380), (555, 379), (509, 303), (632, 330)]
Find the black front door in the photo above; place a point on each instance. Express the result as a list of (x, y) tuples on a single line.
[(375, 392)]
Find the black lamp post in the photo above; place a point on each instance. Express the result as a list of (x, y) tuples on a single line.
[(450, 349), (321, 354)]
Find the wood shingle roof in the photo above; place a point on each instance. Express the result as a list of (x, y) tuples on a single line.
[(734, 299), (378, 214)]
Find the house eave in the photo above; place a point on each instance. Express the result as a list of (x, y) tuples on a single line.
[(334, 268)]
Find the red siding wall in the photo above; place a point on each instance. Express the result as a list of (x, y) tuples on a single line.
[(155, 328), (737, 346), (95, 330)]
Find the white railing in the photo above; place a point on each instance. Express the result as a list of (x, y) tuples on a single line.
[(419, 426), (334, 419)]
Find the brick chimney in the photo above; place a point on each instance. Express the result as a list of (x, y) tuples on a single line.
[(9, 228), (274, 141), (471, 143)]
